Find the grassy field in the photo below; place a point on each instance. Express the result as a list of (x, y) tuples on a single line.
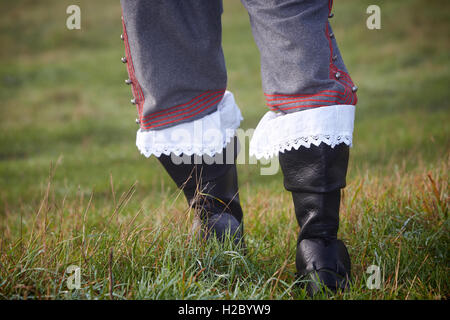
[(75, 191)]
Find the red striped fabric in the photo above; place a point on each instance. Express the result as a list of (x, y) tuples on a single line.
[(211, 102), (175, 112)]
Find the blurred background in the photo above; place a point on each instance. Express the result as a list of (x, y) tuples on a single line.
[(65, 111)]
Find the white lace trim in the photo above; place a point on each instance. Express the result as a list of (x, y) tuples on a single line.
[(278, 132), (205, 136)]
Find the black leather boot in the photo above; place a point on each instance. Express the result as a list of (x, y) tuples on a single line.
[(212, 190), (315, 176)]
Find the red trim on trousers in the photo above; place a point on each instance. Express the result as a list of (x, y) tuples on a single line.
[(191, 108), (135, 86), (160, 113), (209, 103)]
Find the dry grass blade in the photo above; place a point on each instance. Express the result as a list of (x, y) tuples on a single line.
[(110, 274)]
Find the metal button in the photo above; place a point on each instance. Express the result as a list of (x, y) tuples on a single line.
[(122, 37), (331, 15), (123, 59), (128, 81), (338, 75), (133, 101), (354, 88), (138, 121), (331, 34), (335, 57)]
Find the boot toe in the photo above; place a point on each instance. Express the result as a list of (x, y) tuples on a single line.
[(321, 279), (223, 225), (323, 263)]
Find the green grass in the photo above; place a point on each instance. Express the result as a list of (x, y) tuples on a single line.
[(74, 189)]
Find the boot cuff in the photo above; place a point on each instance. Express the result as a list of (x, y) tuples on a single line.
[(205, 136), (277, 132)]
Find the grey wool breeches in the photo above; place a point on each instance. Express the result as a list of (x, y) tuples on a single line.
[(178, 76)]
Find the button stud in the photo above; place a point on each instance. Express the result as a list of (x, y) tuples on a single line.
[(354, 88), (128, 81), (138, 121), (331, 34), (133, 101), (335, 57), (122, 37), (338, 75), (123, 59), (331, 15)]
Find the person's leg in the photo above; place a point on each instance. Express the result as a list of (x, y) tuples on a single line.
[(174, 59), (177, 74), (310, 125), (212, 190), (301, 66)]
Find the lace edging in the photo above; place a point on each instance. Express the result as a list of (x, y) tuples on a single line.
[(277, 133), (216, 131), (305, 141), (167, 149)]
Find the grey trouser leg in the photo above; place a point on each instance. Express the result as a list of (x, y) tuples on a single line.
[(174, 59), (177, 69), (301, 66)]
